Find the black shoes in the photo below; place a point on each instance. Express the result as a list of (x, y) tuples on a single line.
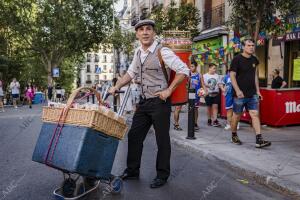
[(209, 122), (129, 176), (216, 123), (262, 143), (157, 182), (236, 140)]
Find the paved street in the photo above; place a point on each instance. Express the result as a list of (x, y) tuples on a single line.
[(192, 177)]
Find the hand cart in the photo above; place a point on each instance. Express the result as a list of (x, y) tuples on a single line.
[(84, 155)]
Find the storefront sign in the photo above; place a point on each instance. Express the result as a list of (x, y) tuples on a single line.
[(292, 36), (212, 43), (292, 107), (296, 71)]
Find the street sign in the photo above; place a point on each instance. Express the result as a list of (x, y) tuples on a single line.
[(55, 72), (98, 70)]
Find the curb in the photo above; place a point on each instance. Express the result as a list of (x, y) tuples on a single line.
[(277, 184)]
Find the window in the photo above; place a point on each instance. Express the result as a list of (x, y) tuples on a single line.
[(96, 68), (104, 77), (88, 57), (104, 59), (104, 67), (96, 79), (96, 57), (88, 68)]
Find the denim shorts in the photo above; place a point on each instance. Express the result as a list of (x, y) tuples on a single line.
[(249, 103)]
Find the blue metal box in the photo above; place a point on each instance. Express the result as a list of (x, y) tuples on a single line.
[(79, 150)]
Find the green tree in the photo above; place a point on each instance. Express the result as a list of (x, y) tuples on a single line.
[(186, 17), (253, 16), (58, 29)]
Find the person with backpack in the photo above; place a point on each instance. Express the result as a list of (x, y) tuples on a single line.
[(152, 64)]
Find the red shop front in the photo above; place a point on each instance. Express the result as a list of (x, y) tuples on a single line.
[(279, 107)]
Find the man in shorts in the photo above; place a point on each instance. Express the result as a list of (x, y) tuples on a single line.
[(244, 79)]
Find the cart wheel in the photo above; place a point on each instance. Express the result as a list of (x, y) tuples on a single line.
[(68, 187), (116, 185), (80, 189)]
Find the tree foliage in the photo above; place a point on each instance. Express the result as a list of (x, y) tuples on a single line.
[(252, 16), (57, 29), (185, 17)]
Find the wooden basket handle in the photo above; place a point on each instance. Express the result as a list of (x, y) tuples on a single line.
[(75, 92)]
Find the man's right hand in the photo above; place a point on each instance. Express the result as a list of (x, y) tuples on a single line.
[(112, 90), (240, 94)]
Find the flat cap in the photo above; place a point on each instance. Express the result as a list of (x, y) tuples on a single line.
[(144, 22)]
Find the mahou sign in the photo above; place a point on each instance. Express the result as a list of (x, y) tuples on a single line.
[(292, 107), (280, 107)]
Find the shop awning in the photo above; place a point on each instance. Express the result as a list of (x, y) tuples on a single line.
[(215, 32)]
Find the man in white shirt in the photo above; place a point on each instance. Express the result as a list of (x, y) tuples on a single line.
[(15, 91), (154, 107)]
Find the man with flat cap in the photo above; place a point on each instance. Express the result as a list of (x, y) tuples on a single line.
[(151, 64)]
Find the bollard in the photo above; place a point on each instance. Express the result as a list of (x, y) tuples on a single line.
[(191, 115)]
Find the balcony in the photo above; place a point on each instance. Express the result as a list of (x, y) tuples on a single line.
[(134, 20), (214, 17)]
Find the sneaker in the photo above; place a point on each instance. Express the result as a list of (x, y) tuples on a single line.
[(177, 127), (209, 122), (16, 107), (227, 127), (30, 107), (262, 143), (196, 127), (216, 123), (236, 140)]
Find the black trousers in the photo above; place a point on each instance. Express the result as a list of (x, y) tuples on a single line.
[(149, 112)]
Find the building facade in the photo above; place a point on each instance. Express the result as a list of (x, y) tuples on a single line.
[(98, 67)]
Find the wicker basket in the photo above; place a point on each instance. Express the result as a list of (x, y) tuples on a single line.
[(100, 120)]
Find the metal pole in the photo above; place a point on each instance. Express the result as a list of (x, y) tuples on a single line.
[(191, 115), (114, 60)]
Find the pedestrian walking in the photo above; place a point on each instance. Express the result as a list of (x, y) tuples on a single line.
[(58, 92), (1, 96), (277, 81), (228, 93), (196, 82), (244, 79), (177, 111), (29, 94), (15, 91), (152, 63), (212, 84), (50, 92)]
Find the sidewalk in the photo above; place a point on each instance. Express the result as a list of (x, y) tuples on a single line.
[(277, 166)]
